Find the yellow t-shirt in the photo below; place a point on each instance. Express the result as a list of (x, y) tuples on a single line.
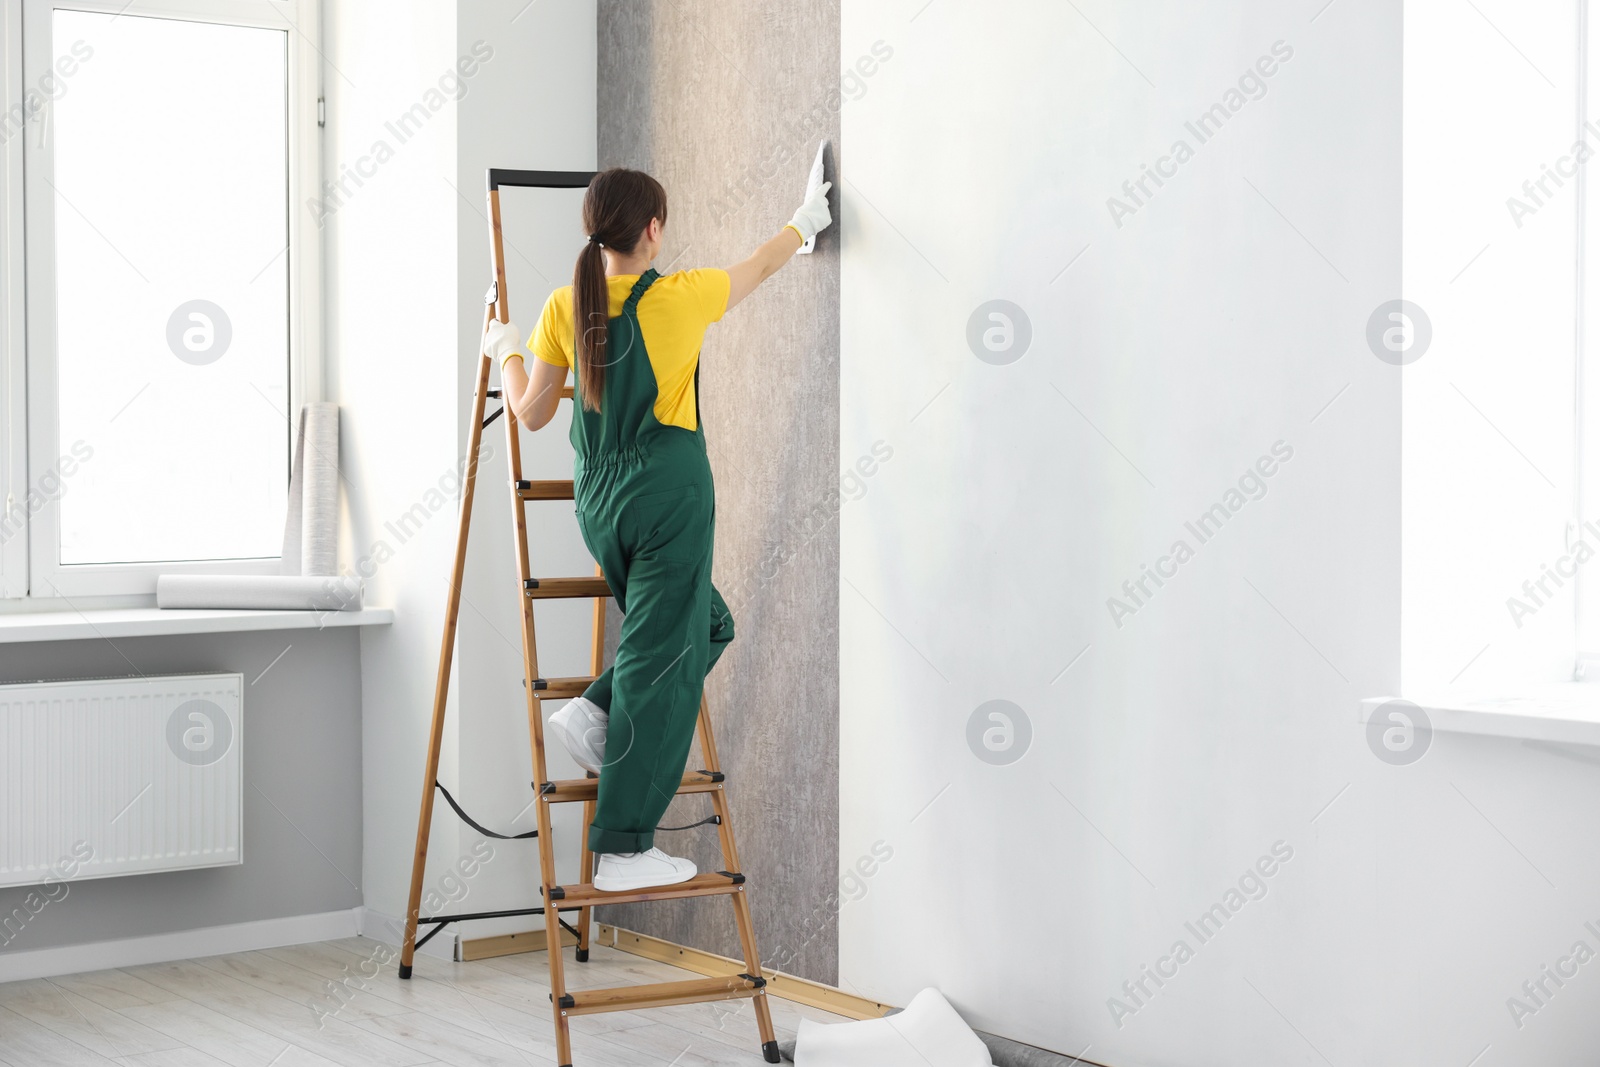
[(673, 316)]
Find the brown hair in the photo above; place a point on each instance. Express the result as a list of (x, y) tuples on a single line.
[(618, 206)]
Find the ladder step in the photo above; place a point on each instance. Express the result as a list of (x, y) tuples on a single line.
[(660, 995), (565, 588), (705, 884), (568, 790), (560, 688), (527, 490)]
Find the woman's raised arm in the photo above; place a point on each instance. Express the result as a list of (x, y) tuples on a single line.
[(764, 262)]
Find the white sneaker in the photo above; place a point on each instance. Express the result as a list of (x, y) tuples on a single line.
[(580, 726), (619, 872)]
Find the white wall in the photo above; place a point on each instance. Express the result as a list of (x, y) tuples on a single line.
[(391, 334), (534, 109), (1170, 752), (407, 255)]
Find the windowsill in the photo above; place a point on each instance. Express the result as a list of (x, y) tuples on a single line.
[(1566, 712), (155, 622)]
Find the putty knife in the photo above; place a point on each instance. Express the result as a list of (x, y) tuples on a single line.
[(811, 187)]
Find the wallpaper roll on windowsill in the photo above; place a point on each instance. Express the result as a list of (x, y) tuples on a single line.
[(311, 527), (308, 580), (270, 592)]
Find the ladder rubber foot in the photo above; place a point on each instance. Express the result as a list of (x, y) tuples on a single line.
[(583, 955), (405, 970), (769, 1051)]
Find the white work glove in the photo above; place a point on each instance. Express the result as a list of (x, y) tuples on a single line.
[(813, 216), (502, 341)]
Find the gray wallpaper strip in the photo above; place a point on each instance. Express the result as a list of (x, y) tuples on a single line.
[(725, 104)]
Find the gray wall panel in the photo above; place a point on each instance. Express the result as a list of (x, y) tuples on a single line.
[(725, 104), (302, 785)]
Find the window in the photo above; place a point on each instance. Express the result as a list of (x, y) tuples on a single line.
[(1500, 428), (170, 326)]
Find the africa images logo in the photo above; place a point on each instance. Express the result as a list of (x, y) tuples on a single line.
[(199, 732), (1399, 733), (999, 732)]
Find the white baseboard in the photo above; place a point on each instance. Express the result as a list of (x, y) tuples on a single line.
[(381, 926), (180, 945)]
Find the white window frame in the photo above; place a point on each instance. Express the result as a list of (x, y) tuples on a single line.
[(29, 566), (13, 338), (1586, 385)]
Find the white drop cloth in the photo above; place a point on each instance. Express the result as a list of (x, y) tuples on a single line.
[(928, 1033)]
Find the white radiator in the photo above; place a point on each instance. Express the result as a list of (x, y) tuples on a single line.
[(119, 776)]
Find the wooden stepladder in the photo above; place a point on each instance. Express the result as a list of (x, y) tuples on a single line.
[(582, 897)]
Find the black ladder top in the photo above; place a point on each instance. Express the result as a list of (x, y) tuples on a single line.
[(540, 179)]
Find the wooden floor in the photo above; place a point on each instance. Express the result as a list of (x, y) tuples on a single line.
[(266, 1009)]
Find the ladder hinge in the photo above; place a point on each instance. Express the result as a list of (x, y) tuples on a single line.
[(538, 683), (524, 484), (738, 879), (493, 394), (548, 787), (531, 583), (754, 980), (555, 892), (715, 776), (322, 111), (566, 1000)]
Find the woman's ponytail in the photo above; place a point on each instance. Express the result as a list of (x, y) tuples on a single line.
[(590, 306), (616, 210)]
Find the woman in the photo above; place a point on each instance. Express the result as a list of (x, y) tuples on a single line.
[(644, 497)]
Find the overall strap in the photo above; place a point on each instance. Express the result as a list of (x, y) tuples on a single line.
[(646, 280)]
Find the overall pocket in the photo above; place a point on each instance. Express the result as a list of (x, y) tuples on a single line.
[(668, 524)]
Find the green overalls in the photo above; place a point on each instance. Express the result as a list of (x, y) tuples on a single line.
[(646, 508)]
